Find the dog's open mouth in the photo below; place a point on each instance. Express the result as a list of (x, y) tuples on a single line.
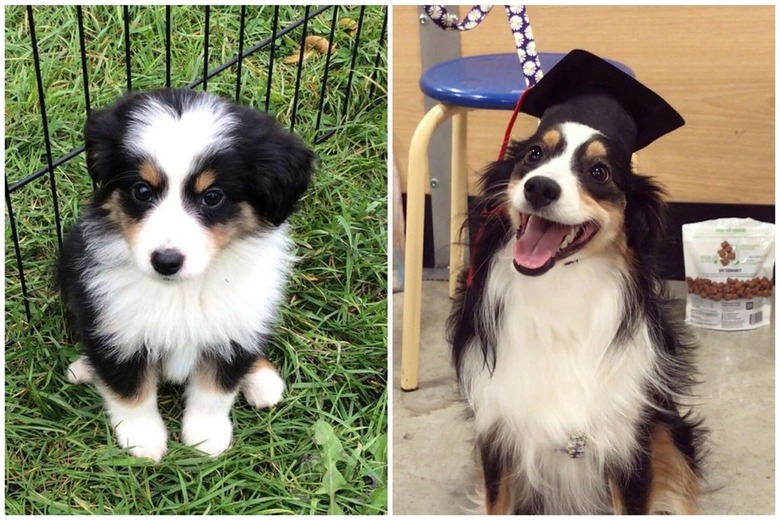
[(541, 242)]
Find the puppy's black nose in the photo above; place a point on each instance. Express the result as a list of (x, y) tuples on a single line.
[(541, 191), (167, 261)]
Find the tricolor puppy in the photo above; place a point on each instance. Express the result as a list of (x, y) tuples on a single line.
[(561, 338), (177, 268)]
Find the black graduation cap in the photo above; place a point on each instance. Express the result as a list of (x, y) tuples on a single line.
[(584, 88)]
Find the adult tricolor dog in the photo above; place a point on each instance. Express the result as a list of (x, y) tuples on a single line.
[(562, 339)]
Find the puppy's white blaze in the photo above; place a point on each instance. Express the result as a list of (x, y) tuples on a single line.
[(235, 299), (568, 209), (170, 225), (206, 423), (557, 374), (138, 426), (176, 141)]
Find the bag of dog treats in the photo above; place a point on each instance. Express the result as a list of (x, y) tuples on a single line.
[(728, 267)]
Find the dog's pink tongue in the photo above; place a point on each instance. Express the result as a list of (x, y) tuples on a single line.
[(539, 243)]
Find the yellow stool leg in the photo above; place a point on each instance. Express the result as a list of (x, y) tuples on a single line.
[(417, 175), (458, 198)]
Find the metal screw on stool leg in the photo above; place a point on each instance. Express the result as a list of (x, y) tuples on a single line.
[(423, 19), (434, 182)]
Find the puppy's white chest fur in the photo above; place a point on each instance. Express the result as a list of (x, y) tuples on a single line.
[(558, 376), (235, 300)]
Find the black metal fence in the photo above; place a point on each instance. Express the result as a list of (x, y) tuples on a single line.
[(343, 50)]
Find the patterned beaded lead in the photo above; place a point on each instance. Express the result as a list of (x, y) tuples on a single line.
[(519, 24)]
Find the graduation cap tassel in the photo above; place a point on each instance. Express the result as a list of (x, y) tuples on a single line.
[(511, 124)]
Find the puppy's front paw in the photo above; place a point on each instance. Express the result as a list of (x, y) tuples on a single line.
[(209, 433), (263, 387), (143, 436), (80, 372)]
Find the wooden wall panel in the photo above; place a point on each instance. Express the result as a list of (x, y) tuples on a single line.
[(714, 64), (407, 99)]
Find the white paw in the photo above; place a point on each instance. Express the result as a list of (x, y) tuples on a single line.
[(143, 436), (80, 372), (263, 388), (209, 433)]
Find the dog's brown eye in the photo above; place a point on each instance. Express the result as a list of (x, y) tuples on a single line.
[(213, 198), (141, 192), (600, 172), (534, 154)]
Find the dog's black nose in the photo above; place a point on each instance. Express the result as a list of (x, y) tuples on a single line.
[(541, 191), (167, 261)]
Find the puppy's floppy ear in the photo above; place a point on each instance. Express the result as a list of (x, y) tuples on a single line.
[(102, 135), (282, 165), (645, 213)]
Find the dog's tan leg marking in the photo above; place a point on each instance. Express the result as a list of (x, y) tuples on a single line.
[(502, 502), (675, 487), (499, 498), (137, 423), (617, 498), (206, 423)]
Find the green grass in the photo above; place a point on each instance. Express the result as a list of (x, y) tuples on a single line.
[(324, 448)]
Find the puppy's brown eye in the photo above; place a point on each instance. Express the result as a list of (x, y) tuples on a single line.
[(534, 154), (141, 192), (599, 172), (213, 198)]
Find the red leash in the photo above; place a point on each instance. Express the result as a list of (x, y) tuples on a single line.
[(500, 209), (485, 216), (511, 124)]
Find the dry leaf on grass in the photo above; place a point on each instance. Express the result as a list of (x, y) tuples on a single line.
[(316, 45), (349, 26)]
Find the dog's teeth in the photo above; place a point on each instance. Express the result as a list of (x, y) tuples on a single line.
[(569, 238)]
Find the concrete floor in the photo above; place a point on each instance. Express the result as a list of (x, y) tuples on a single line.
[(433, 463)]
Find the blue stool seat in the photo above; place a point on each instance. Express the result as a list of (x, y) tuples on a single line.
[(488, 81)]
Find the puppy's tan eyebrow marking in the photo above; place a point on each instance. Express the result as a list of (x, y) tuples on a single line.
[(204, 180), (595, 149), (551, 138), (150, 174)]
